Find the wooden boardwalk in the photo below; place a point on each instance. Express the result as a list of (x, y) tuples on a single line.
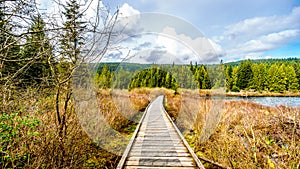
[(157, 143)]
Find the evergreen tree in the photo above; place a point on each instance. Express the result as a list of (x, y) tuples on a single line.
[(199, 77), (228, 76), (104, 78), (38, 48), (206, 81), (282, 79), (297, 71), (259, 75), (245, 75), (234, 79), (276, 81), (153, 77), (291, 77), (9, 47), (73, 37), (219, 81)]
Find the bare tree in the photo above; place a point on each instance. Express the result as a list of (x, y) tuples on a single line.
[(69, 40)]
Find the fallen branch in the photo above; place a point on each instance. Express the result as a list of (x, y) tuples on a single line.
[(214, 163)]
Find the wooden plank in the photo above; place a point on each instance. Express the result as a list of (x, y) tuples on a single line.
[(159, 154), (160, 163), (157, 143)]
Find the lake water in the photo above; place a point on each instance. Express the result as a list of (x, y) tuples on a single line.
[(271, 101)]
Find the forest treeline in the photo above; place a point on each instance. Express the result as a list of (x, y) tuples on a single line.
[(272, 76), (168, 76), (265, 75)]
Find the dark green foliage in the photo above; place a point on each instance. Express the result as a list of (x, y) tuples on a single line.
[(121, 78), (9, 50), (278, 76), (235, 88), (244, 75), (276, 80), (274, 76), (229, 78), (72, 39), (103, 78), (202, 77), (259, 77), (154, 77), (38, 50), (24, 57), (266, 61), (297, 71), (292, 83)]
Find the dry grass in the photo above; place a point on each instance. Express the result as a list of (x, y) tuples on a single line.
[(30, 132), (30, 139), (239, 134), (244, 135), (249, 135)]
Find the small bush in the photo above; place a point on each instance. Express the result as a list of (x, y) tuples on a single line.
[(235, 89), (16, 133)]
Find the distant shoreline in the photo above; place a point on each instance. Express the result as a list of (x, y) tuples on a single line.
[(248, 94), (257, 94)]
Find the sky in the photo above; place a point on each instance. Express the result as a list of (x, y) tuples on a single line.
[(211, 30), (243, 29)]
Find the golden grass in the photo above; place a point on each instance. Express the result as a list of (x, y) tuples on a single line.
[(40, 146), (244, 135), (239, 134), (252, 136)]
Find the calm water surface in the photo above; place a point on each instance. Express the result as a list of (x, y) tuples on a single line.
[(271, 101)]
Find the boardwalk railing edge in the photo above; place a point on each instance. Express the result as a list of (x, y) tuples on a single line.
[(129, 146), (186, 144)]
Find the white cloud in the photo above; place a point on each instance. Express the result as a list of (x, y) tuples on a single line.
[(254, 36), (127, 10), (199, 49), (250, 37), (264, 43), (258, 26)]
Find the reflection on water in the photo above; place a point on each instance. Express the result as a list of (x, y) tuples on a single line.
[(270, 101)]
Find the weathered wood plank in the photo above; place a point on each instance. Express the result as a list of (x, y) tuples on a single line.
[(157, 143)]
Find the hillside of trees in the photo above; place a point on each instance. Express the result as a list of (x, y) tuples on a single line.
[(279, 75)]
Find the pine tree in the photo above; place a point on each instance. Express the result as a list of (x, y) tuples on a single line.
[(228, 76), (276, 81), (39, 49), (245, 75), (234, 79), (259, 75), (103, 78), (206, 81), (199, 77), (292, 81), (73, 37), (282, 79), (297, 71), (9, 47)]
